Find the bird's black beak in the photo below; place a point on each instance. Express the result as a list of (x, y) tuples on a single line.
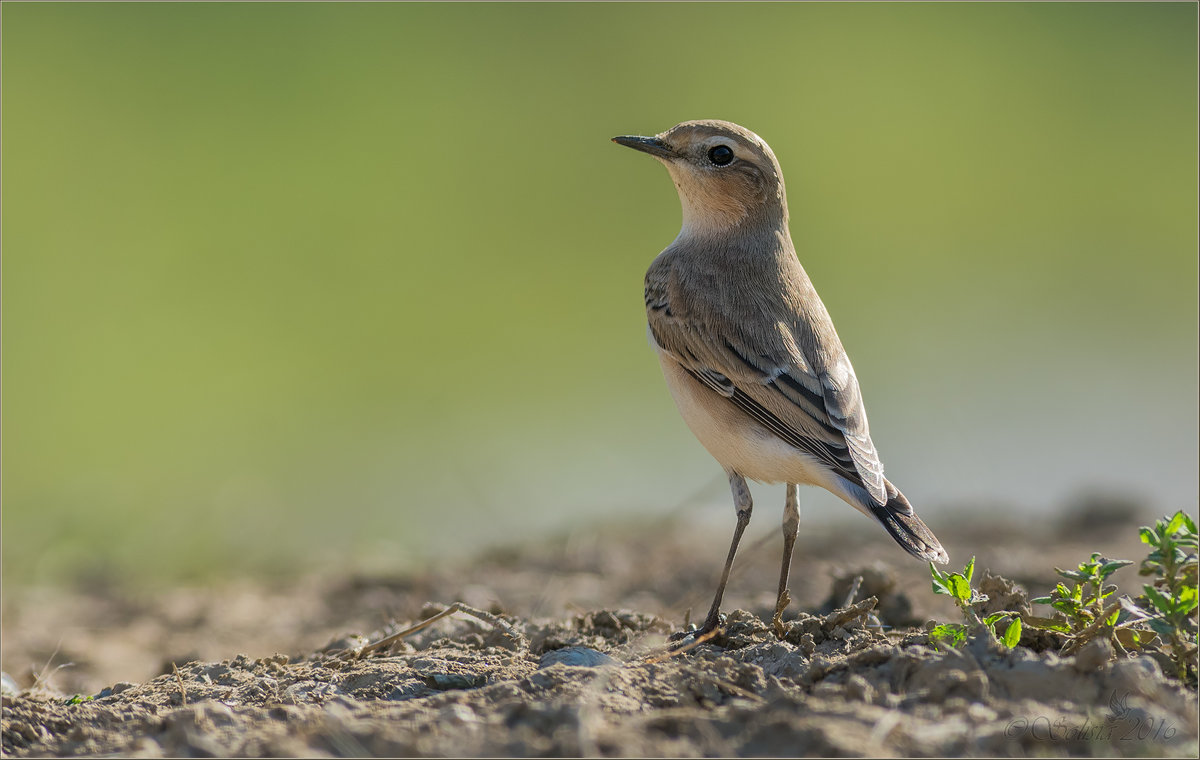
[(651, 145)]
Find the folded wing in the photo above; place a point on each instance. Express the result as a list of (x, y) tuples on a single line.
[(810, 399)]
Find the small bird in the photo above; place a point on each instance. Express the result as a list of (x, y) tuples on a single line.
[(749, 352)]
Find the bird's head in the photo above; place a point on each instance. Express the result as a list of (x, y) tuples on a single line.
[(726, 175)]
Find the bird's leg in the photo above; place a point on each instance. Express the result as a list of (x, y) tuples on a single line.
[(791, 526), (743, 504)]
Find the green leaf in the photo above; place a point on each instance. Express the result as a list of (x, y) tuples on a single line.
[(969, 570), (1186, 600), (952, 632), (1069, 606), (1161, 627), (1179, 556), (939, 581), (1148, 536), (1074, 575), (1113, 565), (960, 588), (1160, 601), (1040, 600), (1176, 523), (1188, 522), (991, 619), (1186, 533), (1012, 634)]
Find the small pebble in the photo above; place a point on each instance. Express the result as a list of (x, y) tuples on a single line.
[(456, 714), (447, 681), (580, 657)]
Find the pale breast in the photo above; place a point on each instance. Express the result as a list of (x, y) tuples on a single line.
[(736, 441)]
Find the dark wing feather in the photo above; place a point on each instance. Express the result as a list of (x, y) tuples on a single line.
[(811, 402)]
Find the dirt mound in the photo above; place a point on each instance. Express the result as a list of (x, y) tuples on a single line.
[(604, 683), (851, 677)]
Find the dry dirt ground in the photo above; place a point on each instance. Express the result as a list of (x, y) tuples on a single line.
[(574, 659)]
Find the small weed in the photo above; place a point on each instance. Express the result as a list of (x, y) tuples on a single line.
[(958, 587), (1170, 599), (78, 699), (1086, 607), (1082, 604)]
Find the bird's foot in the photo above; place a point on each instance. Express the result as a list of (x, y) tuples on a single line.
[(693, 636), (687, 633)]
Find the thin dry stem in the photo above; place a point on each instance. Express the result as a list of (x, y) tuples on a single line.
[(388, 641)]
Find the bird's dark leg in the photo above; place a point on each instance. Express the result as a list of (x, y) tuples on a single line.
[(743, 504), (791, 526)]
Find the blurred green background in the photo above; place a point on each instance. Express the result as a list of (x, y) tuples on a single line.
[(302, 284)]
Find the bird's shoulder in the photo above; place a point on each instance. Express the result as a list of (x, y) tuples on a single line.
[(752, 295)]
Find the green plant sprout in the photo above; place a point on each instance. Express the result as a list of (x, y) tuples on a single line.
[(1165, 614), (1170, 599), (957, 586), (1086, 609), (1161, 622), (1082, 605)]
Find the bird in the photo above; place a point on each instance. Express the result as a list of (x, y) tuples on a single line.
[(748, 350)]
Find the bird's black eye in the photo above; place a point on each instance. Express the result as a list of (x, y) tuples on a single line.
[(722, 155)]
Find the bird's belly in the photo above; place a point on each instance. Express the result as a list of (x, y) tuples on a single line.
[(735, 440)]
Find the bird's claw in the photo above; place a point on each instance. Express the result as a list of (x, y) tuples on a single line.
[(777, 619)]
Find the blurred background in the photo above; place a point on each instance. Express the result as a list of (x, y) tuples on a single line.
[(304, 285)]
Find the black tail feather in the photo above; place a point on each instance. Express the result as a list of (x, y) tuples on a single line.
[(898, 517)]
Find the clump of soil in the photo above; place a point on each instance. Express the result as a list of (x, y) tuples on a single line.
[(850, 677)]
